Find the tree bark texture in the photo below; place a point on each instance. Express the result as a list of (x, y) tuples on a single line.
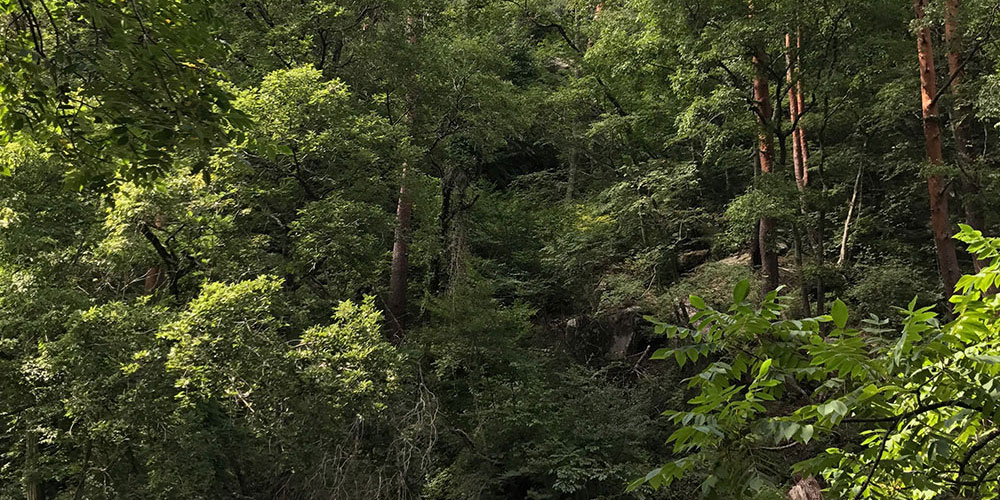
[(765, 147), (936, 186), (400, 261)]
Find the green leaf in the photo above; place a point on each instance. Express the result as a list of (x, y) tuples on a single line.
[(680, 357), (990, 359), (632, 486), (786, 430), (653, 473), (839, 407), (764, 368), (807, 433), (830, 408), (741, 291), (839, 313), (697, 302)]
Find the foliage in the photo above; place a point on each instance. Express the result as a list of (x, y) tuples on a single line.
[(917, 399), (119, 89), (201, 229)]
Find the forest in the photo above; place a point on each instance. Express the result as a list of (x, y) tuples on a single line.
[(499, 249)]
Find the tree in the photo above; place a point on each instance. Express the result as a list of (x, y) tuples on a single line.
[(936, 186), (765, 148), (962, 120), (399, 269)]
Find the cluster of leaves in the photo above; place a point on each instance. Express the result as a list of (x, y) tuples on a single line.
[(902, 412), (119, 89)]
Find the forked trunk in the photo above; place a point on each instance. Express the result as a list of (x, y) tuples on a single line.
[(936, 186)]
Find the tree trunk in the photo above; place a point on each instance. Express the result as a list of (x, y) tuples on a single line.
[(953, 41), (821, 220), (156, 275), (800, 108), (794, 110), (755, 260), (765, 145), (401, 236), (961, 122), (937, 189), (847, 220), (799, 155), (400, 261), (438, 278), (32, 482)]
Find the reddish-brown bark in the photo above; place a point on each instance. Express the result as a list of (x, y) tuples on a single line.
[(801, 109), (953, 42), (400, 260), (940, 225), (400, 266), (799, 155), (962, 119), (795, 107), (765, 149)]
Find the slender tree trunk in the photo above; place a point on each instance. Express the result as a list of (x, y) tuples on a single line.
[(953, 41), (800, 108), (798, 156), (400, 260), (755, 258), (32, 482), (799, 165), (821, 221), (847, 220), (961, 122), (401, 237), (458, 252), (765, 145), (796, 106), (937, 189), (156, 275)]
